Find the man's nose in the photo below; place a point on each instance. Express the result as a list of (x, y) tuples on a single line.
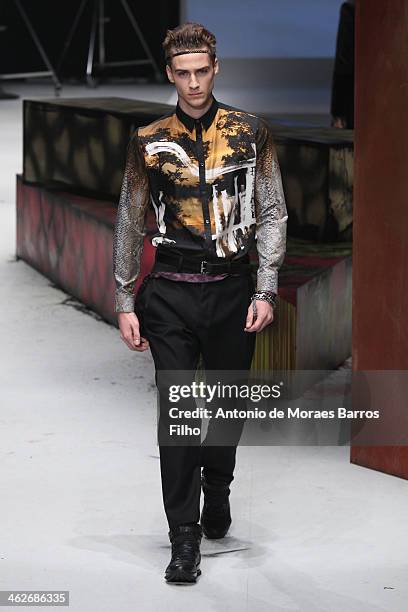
[(193, 82)]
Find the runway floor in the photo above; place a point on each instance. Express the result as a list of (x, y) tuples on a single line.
[(81, 502)]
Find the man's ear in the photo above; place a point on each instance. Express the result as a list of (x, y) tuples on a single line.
[(216, 66), (169, 74)]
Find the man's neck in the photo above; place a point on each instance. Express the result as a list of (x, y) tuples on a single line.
[(196, 113)]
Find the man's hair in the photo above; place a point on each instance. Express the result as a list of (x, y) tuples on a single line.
[(189, 37)]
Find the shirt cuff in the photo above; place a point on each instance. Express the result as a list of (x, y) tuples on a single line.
[(267, 281), (124, 302)]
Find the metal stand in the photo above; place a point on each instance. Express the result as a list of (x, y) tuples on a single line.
[(50, 72), (98, 22)]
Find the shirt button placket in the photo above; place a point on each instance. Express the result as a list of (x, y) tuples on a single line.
[(203, 189)]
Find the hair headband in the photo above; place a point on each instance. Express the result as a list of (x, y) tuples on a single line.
[(189, 51)]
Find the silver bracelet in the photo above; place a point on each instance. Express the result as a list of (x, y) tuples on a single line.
[(266, 296)]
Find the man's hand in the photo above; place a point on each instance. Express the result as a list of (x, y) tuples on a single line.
[(264, 316), (129, 331)]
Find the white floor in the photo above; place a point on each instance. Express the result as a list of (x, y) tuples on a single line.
[(80, 488)]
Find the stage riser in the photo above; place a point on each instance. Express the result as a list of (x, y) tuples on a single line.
[(313, 332), (318, 184), (69, 239), (324, 324), (80, 143)]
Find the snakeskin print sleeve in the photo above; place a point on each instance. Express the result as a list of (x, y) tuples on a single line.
[(130, 227), (271, 213)]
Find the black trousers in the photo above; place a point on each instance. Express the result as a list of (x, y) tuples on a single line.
[(182, 320)]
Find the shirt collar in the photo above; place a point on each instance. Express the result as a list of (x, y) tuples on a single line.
[(205, 119)]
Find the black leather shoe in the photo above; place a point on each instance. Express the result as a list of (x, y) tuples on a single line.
[(216, 514), (185, 554)]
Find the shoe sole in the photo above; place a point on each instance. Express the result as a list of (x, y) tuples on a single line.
[(183, 578), (215, 536)]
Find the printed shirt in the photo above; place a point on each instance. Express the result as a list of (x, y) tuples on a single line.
[(215, 187)]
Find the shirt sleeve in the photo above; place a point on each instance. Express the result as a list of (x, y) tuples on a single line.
[(130, 228), (271, 213)]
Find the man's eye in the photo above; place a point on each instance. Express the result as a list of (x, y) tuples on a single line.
[(203, 70)]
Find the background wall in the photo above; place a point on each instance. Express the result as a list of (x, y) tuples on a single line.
[(268, 28), (287, 43)]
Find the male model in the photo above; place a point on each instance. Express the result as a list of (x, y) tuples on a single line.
[(211, 173)]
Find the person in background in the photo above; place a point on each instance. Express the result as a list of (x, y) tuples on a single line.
[(342, 95)]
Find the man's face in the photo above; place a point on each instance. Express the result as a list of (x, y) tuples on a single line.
[(193, 75)]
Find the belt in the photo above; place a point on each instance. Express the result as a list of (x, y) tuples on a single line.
[(183, 263)]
